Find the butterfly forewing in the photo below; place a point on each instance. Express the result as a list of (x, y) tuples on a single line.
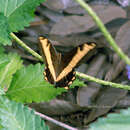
[(50, 56)]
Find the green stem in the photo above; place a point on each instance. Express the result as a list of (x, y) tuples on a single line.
[(28, 49), (104, 31), (90, 78)]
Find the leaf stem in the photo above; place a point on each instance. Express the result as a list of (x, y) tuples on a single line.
[(90, 78), (28, 49), (55, 121), (103, 29)]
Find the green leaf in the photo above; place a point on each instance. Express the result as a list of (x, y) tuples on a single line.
[(1, 50), (4, 31), (1, 127), (15, 116), (28, 85), (14, 16), (2, 91), (19, 12), (7, 69), (120, 121), (77, 82), (4, 60)]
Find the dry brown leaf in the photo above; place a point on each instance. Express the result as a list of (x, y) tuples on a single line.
[(85, 95), (123, 41), (107, 99), (76, 24)]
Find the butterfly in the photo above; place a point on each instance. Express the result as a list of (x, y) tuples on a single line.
[(59, 68)]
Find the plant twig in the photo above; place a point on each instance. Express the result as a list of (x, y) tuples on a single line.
[(55, 121), (103, 29), (28, 49), (90, 78)]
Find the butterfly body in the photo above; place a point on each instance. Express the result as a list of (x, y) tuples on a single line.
[(60, 68)]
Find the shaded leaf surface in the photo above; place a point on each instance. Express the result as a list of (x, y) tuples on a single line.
[(113, 122), (115, 70), (108, 98), (70, 41), (76, 24), (15, 116), (3, 61), (7, 70), (1, 50), (122, 39), (85, 95), (4, 31), (54, 16), (58, 5), (56, 107)]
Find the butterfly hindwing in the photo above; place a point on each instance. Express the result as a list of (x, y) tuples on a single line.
[(65, 82)]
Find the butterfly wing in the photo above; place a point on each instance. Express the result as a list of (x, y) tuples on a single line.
[(60, 68), (72, 58), (51, 58), (65, 82)]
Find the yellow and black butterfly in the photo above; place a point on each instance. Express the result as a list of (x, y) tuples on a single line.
[(59, 68)]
